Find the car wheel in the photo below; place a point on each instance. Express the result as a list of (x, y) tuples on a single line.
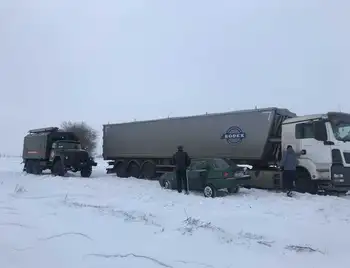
[(209, 191), (233, 190), (167, 185)]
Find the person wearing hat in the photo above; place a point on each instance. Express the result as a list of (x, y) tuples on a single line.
[(181, 161)]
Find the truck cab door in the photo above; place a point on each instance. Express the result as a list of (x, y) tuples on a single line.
[(315, 149), (196, 174)]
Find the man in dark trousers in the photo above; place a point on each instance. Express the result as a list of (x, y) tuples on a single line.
[(289, 165), (181, 161)]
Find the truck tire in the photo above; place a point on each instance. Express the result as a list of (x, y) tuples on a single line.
[(304, 183), (36, 168), (58, 168), (120, 170), (148, 170), (29, 167), (86, 172), (134, 170)]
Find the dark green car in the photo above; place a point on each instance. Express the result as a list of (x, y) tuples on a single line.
[(209, 175)]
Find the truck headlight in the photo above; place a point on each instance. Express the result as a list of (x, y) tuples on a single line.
[(338, 176)]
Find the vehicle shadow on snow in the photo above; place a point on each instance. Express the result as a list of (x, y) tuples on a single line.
[(219, 193), (48, 174)]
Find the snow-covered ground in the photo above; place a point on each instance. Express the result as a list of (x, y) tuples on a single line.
[(106, 221)]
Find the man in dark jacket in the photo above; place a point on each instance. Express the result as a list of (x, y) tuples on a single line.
[(289, 165), (181, 161)]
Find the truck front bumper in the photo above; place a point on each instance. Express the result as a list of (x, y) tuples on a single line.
[(340, 179), (90, 163), (93, 163), (82, 164)]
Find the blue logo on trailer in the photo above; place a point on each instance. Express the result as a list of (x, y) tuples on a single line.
[(234, 135)]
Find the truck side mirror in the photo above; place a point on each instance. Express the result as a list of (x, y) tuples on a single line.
[(320, 131)]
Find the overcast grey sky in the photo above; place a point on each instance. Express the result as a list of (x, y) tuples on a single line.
[(112, 61)]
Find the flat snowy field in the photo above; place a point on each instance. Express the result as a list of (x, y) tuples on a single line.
[(105, 221)]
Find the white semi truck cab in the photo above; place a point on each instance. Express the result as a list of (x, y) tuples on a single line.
[(323, 144)]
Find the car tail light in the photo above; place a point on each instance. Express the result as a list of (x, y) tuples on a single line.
[(226, 174)]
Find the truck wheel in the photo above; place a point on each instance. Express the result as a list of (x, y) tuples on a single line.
[(36, 168), (233, 190), (86, 172), (209, 191), (121, 170), (149, 170), (29, 167), (304, 183), (58, 169), (134, 170)]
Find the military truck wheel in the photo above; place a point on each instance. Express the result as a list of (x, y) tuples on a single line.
[(29, 166), (233, 190), (86, 172), (36, 168), (58, 169), (209, 191)]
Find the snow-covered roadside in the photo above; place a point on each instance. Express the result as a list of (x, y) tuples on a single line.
[(106, 221)]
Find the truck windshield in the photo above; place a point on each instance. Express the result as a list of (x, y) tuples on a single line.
[(68, 145), (341, 126)]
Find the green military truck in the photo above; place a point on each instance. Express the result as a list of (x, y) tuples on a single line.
[(56, 150)]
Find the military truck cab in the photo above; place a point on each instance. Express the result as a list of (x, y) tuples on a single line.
[(56, 150), (323, 142)]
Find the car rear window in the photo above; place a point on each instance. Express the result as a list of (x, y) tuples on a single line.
[(220, 164)]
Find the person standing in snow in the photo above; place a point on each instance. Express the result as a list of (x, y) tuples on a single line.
[(289, 166), (181, 161)]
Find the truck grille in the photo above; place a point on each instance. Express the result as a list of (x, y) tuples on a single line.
[(72, 158), (347, 157)]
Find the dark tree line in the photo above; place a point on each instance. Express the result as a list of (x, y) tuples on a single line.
[(87, 135)]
